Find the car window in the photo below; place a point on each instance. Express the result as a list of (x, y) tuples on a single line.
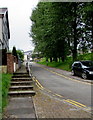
[(88, 63), (77, 65)]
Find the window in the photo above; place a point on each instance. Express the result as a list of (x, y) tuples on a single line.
[(77, 65)]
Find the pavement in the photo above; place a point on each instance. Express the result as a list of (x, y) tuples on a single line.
[(47, 106), (43, 105), (20, 107)]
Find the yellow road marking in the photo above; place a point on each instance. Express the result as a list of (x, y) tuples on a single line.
[(68, 100), (39, 84), (54, 94), (64, 76), (73, 103), (49, 90), (58, 95), (76, 103)]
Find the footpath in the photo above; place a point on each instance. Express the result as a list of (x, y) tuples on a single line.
[(20, 94), (42, 105)]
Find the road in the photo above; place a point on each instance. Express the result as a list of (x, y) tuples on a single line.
[(65, 87)]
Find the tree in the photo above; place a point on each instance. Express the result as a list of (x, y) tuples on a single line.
[(20, 54), (14, 52), (47, 30), (88, 19), (59, 29)]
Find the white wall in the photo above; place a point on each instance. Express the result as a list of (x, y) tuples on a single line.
[(25, 57)]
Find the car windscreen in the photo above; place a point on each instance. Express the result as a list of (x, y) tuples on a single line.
[(87, 63)]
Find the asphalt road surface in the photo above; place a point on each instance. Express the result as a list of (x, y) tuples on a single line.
[(70, 89)]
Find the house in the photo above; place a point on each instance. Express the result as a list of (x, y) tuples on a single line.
[(27, 55), (4, 29)]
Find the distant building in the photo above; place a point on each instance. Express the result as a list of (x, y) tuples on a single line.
[(27, 55), (4, 29)]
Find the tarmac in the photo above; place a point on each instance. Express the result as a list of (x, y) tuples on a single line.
[(43, 106)]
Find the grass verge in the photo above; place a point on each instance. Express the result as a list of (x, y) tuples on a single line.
[(68, 62), (5, 87)]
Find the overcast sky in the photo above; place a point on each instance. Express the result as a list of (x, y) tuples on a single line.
[(19, 12)]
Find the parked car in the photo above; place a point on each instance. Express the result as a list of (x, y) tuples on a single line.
[(83, 69)]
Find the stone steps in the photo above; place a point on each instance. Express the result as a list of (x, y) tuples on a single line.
[(20, 76), (20, 73), (21, 93), (21, 79), (21, 85), (20, 88)]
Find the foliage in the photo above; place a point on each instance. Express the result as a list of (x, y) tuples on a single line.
[(67, 64), (62, 29), (20, 54), (14, 52), (5, 87)]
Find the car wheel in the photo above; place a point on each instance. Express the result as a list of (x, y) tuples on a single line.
[(84, 76), (73, 73)]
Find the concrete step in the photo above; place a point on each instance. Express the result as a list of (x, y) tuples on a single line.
[(20, 73), (21, 83), (14, 88), (19, 76), (21, 79), (21, 93)]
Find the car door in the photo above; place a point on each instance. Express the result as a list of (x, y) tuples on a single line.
[(75, 68), (79, 69)]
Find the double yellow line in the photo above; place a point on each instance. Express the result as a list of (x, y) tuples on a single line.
[(72, 102), (75, 103), (65, 76), (39, 85)]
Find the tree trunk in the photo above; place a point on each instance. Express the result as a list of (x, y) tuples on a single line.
[(92, 38), (63, 58), (55, 59), (59, 59), (50, 59), (75, 33)]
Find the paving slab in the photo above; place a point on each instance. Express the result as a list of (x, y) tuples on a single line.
[(47, 106), (20, 107)]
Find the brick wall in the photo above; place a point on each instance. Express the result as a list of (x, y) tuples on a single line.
[(10, 63)]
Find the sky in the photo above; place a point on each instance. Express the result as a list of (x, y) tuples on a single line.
[(19, 12)]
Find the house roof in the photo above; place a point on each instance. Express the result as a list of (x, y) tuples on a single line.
[(4, 12)]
